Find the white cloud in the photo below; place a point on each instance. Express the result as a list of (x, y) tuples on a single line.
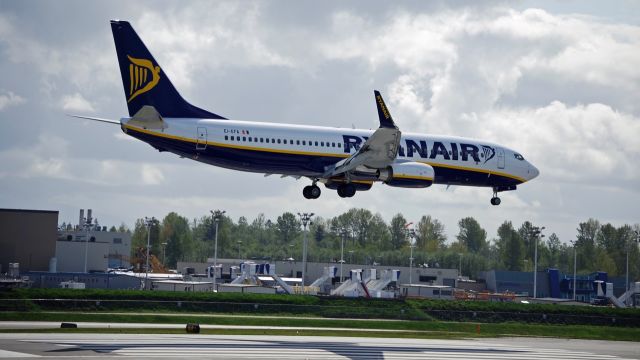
[(151, 175), (8, 98), (76, 102)]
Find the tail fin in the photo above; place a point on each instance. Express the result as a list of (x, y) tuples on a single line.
[(143, 80)]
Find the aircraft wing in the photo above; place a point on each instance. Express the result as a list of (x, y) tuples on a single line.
[(379, 150)]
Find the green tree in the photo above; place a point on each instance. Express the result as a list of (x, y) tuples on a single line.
[(554, 246), (398, 231), (471, 234), (586, 244), (287, 228), (430, 234), (176, 233), (510, 247)]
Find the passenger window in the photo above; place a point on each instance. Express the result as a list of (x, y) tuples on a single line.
[(226, 137), (333, 144), (316, 143), (261, 139), (244, 138), (339, 145), (233, 138), (249, 138), (304, 142), (279, 141), (291, 142), (297, 142)]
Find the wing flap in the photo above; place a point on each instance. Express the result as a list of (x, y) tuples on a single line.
[(379, 150)]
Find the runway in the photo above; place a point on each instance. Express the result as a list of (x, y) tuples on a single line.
[(107, 346)]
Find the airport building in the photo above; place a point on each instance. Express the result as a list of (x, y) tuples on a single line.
[(315, 270), (31, 241), (104, 249), (551, 283), (28, 238)]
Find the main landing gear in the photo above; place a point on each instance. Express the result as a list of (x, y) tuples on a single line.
[(311, 191), (495, 200), (346, 190)]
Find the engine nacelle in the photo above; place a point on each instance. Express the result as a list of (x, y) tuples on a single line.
[(411, 175)]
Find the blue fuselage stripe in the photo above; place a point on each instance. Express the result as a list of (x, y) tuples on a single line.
[(309, 165)]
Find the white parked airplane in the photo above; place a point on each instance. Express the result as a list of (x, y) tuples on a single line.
[(346, 160)]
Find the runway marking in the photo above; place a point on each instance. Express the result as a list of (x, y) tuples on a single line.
[(13, 354), (291, 349)]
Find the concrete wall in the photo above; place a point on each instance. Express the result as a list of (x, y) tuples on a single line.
[(27, 237), (119, 244), (70, 256)]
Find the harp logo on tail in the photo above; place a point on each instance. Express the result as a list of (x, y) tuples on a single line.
[(143, 76)]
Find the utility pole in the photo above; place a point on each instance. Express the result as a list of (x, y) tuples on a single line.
[(149, 222), (216, 216), (537, 234), (575, 262), (412, 236), (344, 235), (306, 220)]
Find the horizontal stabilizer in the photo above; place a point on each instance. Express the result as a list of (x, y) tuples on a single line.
[(116, 122)]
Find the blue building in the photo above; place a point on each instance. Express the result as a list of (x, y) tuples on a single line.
[(551, 283)]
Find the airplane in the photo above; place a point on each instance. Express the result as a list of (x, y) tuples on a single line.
[(343, 159)]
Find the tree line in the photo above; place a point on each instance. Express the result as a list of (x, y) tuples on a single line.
[(369, 240)]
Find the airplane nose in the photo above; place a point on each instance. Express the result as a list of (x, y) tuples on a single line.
[(533, 172)]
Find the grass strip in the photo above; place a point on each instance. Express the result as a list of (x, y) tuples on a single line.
[(408, 328)]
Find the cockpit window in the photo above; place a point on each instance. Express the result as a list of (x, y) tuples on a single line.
[(519, 157)]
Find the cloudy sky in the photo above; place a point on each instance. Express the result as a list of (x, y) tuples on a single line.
[(558, 81)]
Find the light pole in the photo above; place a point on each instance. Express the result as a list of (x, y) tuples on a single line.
[(637, 239), (306, 220), (164, 259), (239, 245), (149, 222), (537, 233), (575, 262), (412, 236), (344, 235), (87, 225), (216, 215), (460, 265)]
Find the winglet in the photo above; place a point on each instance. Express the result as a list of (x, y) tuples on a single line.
[(386, 121)]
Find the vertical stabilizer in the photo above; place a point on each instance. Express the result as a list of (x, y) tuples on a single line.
[(144, 81)]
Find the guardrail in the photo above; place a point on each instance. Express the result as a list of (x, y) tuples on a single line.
[(366, 312), (533, 317)]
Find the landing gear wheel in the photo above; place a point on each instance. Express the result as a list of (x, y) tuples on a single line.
[(346, 190), (495, 201), (311, 192)]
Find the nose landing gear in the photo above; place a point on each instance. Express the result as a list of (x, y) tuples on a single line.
[(495, 200), (311, 191)]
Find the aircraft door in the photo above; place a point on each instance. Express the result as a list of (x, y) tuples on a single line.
[(500, 154), (201, 141)]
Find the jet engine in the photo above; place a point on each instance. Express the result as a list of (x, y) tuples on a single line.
[(410, 175)]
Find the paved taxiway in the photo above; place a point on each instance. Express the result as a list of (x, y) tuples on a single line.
[(103, 346)]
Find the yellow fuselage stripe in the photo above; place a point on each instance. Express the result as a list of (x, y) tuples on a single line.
[(294, 152)]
